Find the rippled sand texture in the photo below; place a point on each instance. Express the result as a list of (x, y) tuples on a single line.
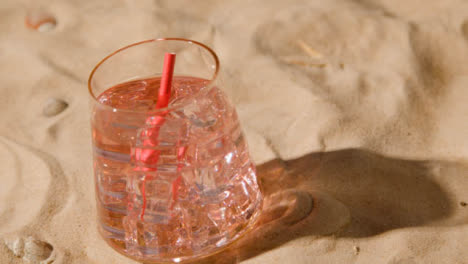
[(355, 112)]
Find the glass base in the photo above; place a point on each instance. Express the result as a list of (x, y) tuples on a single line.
[(210, 250)]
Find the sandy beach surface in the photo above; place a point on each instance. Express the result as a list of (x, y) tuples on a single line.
[(356, 114)]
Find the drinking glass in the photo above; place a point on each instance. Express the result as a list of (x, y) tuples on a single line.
[(197, 190)]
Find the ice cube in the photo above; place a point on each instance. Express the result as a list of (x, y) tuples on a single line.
[(157, 211)]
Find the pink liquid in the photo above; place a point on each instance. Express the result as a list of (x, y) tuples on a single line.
[(187, 204)]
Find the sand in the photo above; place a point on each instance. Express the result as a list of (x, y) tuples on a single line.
[(355, 112)]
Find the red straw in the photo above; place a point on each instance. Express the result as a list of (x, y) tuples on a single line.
[(149, 156), (166, 81)]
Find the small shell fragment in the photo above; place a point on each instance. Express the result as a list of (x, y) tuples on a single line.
[(30, 249), (40, 20), (53, 107)]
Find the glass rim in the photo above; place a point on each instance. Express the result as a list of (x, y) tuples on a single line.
[(208, 84)]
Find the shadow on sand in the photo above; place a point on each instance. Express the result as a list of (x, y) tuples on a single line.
[(347, 193)]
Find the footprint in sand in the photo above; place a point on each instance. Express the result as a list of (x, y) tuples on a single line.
[(32, 186), (357, 57), (349, 52), (25, 180)]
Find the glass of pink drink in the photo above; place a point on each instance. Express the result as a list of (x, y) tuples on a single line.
[(197, 192)]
